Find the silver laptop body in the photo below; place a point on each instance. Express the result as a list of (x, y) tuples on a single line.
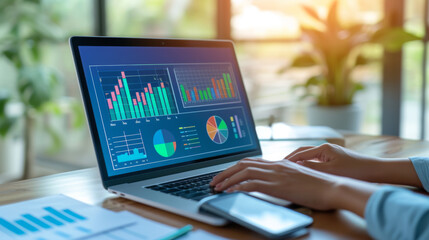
[(161, 110)]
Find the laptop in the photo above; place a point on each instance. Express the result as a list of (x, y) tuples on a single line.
[(165, 116)]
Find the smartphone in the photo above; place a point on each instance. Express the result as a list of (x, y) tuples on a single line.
[(270, 220)]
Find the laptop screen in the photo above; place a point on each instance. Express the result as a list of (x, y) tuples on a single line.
[(162, 106)]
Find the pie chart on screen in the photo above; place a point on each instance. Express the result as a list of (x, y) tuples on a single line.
[(217, 129), (164, 143)]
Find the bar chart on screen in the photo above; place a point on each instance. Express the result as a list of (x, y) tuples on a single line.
[(137, 93), (203, 84), (55, 217), (127, 149)]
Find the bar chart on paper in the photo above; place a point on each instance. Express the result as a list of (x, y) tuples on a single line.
[(137, 93), (51, 218), (56, 217), (203, 84)]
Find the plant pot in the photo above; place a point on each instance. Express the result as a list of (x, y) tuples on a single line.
[(348, 117)]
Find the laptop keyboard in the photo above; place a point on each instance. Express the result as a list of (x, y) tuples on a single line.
[(195, 188)]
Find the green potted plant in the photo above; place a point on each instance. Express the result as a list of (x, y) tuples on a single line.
[(26, 28), (337, 51)]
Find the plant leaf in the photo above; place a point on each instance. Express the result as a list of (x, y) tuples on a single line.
[(53, 107), (78, 114), (304, 60), (356, 29), (37, 85), (358, 34), (55, 136), (356, 88), (313, 81), (332, 19), (312, 35), (6, 122), (310, 11), (4, 99), (362, 60), (393, 39)]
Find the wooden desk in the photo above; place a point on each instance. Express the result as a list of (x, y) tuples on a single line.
[(85, 186)]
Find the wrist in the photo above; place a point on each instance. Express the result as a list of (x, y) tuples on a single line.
[(375, 170), (333, 192), (351, 195)]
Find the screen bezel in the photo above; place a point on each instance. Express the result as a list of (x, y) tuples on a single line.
[(77, 41)]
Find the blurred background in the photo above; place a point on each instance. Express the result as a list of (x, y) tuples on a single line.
[(39, 92)]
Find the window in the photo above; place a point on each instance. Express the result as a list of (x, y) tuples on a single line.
[(63, 143), (412, 73), (165, 18), (268, 37)]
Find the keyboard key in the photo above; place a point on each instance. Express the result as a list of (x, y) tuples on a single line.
[(170, 190), (195, 188), (191, 195)]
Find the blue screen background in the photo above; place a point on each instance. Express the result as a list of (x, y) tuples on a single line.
[(133, 144)]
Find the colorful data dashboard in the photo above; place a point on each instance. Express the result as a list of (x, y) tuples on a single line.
[(155, 115)]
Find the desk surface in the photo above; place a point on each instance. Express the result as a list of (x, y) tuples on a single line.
[(85, 186)]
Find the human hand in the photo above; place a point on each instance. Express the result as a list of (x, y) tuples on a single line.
[(341, 161), (337, 160), (295, 183), (282, 179)]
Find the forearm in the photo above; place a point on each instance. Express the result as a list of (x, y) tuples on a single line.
[(351, 195), (394, 171)]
